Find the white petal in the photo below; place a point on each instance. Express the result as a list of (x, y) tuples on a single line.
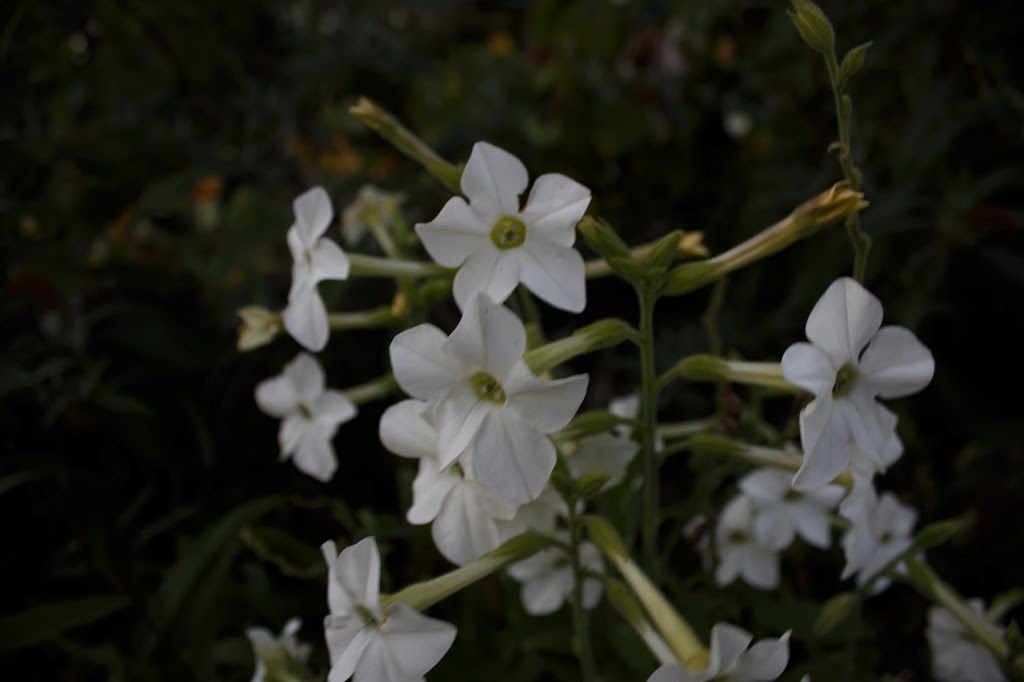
[(545, 405), (896, 363), (765, 485), (305, 318), (429, 491), (346, 642), (313, 214), (843, 320), (464, 529), (329, 261), (672, 672), (416, 641), (812, 524), (459, 417), (358, 573), (454, 234), (337, 599), (603, 452), (555, 273), (761, 568), (489, 336), (421, 366), (546, 593), (809, 367), (378, 663), (293, 430), (728, 642), (307, 376), (773, 527), (826, 442), (493, 180), (556, 203), (487, 271), (314, 455), (404, 431), (766, 660), (276, 396), (511, 458), (332, 408), (863, 421)]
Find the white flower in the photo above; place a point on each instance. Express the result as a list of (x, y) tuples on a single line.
[(372, 206), (956, 655), (731, 660), (310, 415), (547, 580), (605, 452), (863, 468), (845, 378), (878, 537), (482, 394), (739, 552), (315, 259), (782, 512), (464, 515), (276, 651), (364, 641), (498, 245)]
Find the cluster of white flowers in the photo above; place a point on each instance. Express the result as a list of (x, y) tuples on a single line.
[(730, 659)]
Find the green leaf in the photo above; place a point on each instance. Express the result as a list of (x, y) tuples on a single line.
[(852, 62), (41, 623)]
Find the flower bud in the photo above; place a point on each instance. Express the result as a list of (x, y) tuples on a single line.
[(259, 327), (813, 25)]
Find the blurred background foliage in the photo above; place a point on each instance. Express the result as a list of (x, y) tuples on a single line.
[(150, 155)]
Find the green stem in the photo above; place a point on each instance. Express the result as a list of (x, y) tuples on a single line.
[(648, 426), (375, 317), (584, 648), (372, 390), (861, 241), (380, 233), (362, 265)]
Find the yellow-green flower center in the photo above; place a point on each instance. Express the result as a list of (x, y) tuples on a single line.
[(508, 233), (487, 388), (305, 411), (846, 378)]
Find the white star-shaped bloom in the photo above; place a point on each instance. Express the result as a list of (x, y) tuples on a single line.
[(845, 378), (499, 245), (739, 552), (881, 534), (364, 641), (277, 650), (956, 655), (731, 660), (481, 393), (465, 516), (863, 467), (315, 258), (310, 415), (781, 512), (547, 580)]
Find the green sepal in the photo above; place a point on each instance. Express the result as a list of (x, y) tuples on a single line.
[(664, 250)]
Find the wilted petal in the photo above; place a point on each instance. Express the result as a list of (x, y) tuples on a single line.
[(545, 405), (454, 234), (843, 320), (487, 271), (809, 367), (421, 366), (404, 431), (489, 336), (313, 214), (305, 318), (512, 458), (896, 363), (493, 179), (416, 641), (555, 273), (556, 203)]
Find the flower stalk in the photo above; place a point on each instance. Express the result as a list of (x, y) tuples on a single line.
[(372, 390), (595, 336), (713, 368), (362, 265), (755, 454), (648, 427), (367, 319)]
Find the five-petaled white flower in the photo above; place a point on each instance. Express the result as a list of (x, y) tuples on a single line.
[(283, 651), (731, 660), (465, 516), (740, 554), (310, 415), (845, 377), (547, 580), (956, 655), (877, 537), (364, 640), (782, 512), (315, 259), (498, 245), (482, 394)]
